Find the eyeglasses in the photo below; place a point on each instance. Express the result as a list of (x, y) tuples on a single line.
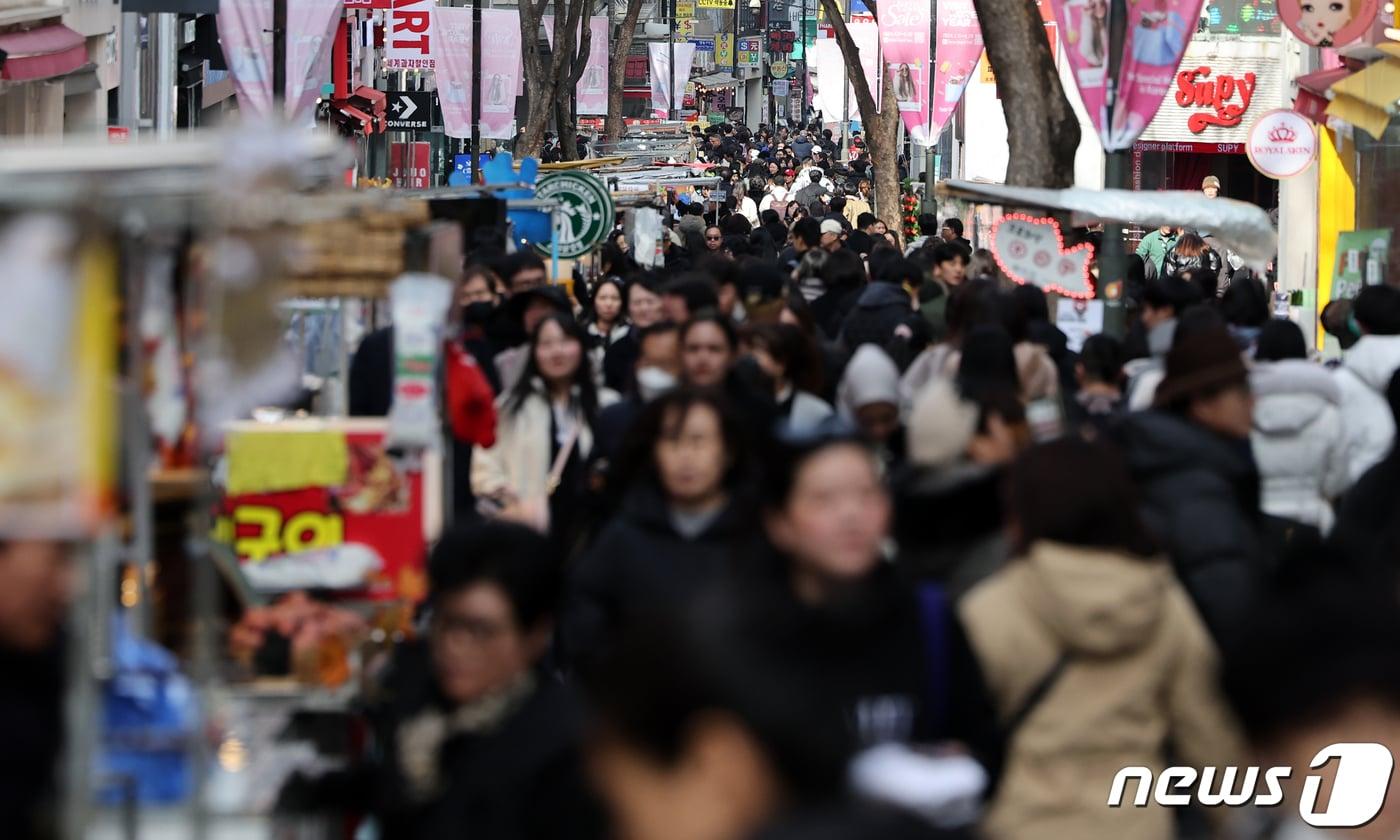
[(714, 238)]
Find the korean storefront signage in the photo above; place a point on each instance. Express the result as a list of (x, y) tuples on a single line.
[(1219, 100)]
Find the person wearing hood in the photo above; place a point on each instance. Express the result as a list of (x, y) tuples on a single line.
[(1094, 656), (1297, 438), (882, 307), (842, 281), (544, 433), (527, 308), (1191, 458), (1163, 300), (868, 399), (680, 481), (1365, 373)]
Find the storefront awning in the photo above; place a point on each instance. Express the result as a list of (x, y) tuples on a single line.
[(1242, 226), (717, 80), (1369, 98), (42, 53), (1321, 81)]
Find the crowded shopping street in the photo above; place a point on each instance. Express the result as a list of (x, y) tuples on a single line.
[(699, 420)]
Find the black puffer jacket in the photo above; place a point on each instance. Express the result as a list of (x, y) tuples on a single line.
[(949, 525), (641, 565), (1200, 498), (880, 308)]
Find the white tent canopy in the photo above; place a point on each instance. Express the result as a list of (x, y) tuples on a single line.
[(1244, 227)]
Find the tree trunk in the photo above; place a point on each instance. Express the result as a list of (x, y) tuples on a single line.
[(881, 128), (1042, 132), (574, 55), (544, 79), (617, 69), (882, 138), (539, 94)]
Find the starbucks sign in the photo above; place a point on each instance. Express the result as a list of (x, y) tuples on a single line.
[(586, 211)]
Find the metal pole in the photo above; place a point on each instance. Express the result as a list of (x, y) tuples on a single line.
[(846, 94), (1113, 260), (931, 153), (734, 48), (476, 91), (671, 104), (279, 51), (165, 74), (129, 93)]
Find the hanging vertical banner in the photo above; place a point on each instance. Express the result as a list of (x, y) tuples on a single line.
[(1156, 35), (592, 92), (835, 89), (904, 29), (661, 98), (452, 45), (830, 68), (245, 35), (500, 71), (956, 52), (408, 35)]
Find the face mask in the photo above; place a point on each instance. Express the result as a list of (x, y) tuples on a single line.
[(478, 314), (652, 382)]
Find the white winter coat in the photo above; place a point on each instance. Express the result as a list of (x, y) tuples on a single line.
[(1365, 373), (524, 453), (1298, 440)]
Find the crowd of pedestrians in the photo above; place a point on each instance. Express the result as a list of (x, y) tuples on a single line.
[(820, 529)]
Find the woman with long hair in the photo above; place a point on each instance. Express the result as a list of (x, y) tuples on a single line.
[(1191, 253), (681, 481), (606, 321), (544, 432)]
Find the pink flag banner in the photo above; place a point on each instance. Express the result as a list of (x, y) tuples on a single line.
[(1157, 32), (592, 93), (452, 53), (661, 99), (245, 35), (500, 69), (904, 30), (956, 52)]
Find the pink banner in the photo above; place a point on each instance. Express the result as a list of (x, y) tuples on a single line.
[(956, 51), (904, 29), (500, 69), (245, 35), (407, 30), (452, 52), (661, 70), (592, 93), (1157, 33)]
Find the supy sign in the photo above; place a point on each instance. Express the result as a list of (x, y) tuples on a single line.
[(406, 41), (1224, 97)]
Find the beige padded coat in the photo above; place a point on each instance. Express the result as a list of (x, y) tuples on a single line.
[(1140, 675)]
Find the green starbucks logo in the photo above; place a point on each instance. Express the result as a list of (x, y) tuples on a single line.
[(586, 211)]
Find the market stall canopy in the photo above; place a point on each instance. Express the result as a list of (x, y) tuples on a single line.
[(42, 53), (1368, 98), (717, 80), (1244, 227)]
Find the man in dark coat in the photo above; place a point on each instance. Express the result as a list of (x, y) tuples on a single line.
[(475, 736), (1192, 461), (36, 583)]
